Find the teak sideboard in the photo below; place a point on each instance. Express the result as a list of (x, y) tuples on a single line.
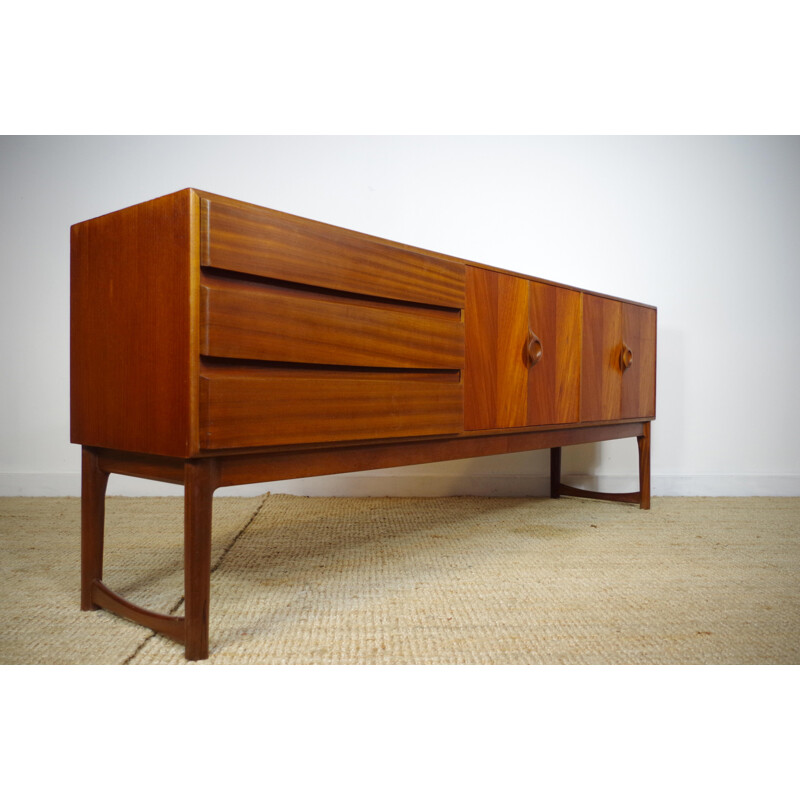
[(216, 343)]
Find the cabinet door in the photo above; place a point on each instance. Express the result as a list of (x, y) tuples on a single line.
[(554, 355), (639, 379), (522, 361), (618, 372), (495, 364), (601, 383)]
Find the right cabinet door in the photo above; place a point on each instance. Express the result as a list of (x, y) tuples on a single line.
[(618, 376)]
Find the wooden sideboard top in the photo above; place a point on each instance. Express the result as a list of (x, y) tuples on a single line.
[(334, 229)]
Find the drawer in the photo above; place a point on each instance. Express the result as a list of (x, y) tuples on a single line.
[(250, 239), (257, 407), (270, 322)]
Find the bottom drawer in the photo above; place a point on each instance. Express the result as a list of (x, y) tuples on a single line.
[(253, 409)]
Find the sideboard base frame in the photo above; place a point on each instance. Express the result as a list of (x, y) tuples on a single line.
[(200, 478), (640, 498)]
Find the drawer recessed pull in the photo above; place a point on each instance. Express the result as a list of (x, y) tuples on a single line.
[(625, 357), (535, 350)]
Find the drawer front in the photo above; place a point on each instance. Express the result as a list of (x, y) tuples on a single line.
[(271, 244), (251, 320), (265, 407)]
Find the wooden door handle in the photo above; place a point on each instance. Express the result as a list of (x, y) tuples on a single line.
[(535, 350), (625, 357)]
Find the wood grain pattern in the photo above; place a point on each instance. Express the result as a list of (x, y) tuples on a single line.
[(638, 394), (480, 365), (504, 386), (557, 284), (511, 353), (241, 408), (172, 627), (281, 323), (141, 465), (275, 245), (94, 481), (643, 441), (640, 498), (131, 349), (554, 381), (609, 391), (199, 484), (280, 465), (601, 373), (496, 331)]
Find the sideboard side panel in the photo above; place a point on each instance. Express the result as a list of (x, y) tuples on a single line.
[(132, 348)]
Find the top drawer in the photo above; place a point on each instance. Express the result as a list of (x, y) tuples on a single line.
[(274, 245)]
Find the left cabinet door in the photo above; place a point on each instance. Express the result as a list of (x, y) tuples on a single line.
[(495, 362), (522, 364)]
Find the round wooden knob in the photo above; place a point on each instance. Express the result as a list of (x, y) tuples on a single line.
[(535, 350), (625, 357)]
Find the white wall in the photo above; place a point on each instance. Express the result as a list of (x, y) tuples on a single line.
[(706, 228)]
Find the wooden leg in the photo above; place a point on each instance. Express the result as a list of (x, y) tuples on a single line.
[(555, 472), (644, 467), (93, 507), (199, 485), (199, 479), (640, 498)]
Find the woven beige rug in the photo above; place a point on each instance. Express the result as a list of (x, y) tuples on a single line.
[(457, 580)]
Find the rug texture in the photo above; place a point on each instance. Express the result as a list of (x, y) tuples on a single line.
[(457, 580)]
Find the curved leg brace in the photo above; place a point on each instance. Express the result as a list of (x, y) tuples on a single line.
[(640, 498), (190, 630)]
